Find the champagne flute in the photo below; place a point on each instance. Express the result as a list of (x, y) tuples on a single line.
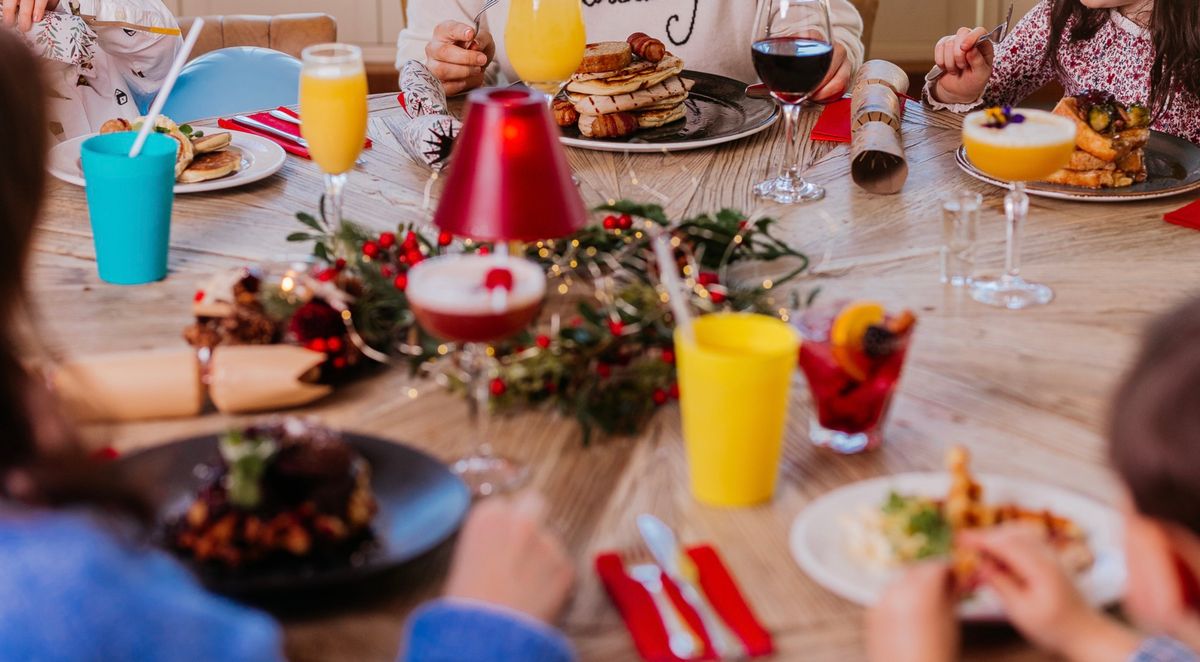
[(792, 53), (545, 40), (1016, 145), (333, 115)]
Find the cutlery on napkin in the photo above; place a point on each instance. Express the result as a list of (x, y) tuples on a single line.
[(285, 133)]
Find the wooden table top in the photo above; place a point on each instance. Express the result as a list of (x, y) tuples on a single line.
[(1026, 392)]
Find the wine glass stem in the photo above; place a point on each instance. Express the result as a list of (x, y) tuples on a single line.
[(791, 119), (334, 185), (1016, 208), (476, 357)]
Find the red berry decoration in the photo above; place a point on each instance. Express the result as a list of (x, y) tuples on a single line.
[(414, 257), (717, 297), (410, 241), (673, 391), (401, 282), (199, 296), (498, 277), (334, 344), (387, 271), (625, 222), (444, 238), (387, 239), (611, 222), (660, 396), (668, 356), (497, 387), (339, 363), (707, 278), (326, 275), (370, 249), (318, 345), (105, 454), (484, 250), (616, 327), (315, 320), (603, 370), (543, 341), (340, 264)]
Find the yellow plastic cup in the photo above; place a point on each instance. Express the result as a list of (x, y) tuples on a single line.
[(735, 377)]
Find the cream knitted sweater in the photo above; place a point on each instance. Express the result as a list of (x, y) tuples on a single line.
[(710, 35)]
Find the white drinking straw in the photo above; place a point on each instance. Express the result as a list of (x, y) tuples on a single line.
[(165, 91), (669, 273)]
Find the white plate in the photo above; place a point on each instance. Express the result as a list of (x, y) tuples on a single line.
[(819, 537), (261, 158)]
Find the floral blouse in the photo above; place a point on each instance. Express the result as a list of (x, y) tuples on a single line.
[(1117, 60)]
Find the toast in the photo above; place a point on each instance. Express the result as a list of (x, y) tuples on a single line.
[(605, 56), (212, 165), (1093, 179), (1098, 133)]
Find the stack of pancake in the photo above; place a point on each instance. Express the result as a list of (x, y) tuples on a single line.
[(1109, 144), (201, 156), (622, 87)]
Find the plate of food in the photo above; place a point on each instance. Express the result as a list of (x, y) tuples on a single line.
[(856, 539), (206, 161), (635, 96), (289, 505), (1117, 157)]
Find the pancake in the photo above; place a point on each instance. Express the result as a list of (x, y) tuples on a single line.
[(212, 142), (649, 119), (635, 67), (612, 86), (213, 165)]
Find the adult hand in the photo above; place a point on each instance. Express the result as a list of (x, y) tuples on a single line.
[(915, 619), (458, 56), (838, 78), (1041, 601), (24, 13), (506, 557), (967, 63)]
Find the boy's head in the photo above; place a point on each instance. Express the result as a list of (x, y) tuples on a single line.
[(1154, 443)]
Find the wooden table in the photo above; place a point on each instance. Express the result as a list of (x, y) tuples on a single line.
[(1027, 392)]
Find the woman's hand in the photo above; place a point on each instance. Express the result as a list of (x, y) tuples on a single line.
[(24, 13), (508, 558), (458, 56), (1041, 601), (915, 620), (967, 63), (838, 78)]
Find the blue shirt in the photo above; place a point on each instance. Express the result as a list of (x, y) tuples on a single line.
[(1163, 649), (70, 590)]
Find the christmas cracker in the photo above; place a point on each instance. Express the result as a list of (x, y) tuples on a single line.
[(877, 161)]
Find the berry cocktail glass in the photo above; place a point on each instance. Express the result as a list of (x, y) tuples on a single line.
[(477, 300), (852, 355)]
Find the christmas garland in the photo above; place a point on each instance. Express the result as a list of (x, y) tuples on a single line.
[(605, 355)]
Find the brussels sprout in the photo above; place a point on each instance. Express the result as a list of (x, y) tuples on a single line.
[(1139, 116), (1100, 118)]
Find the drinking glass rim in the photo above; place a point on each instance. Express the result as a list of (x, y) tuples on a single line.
[(343, 53)]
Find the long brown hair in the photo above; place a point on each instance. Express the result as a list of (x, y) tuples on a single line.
[(1174, 31), (28, 472), (1154, 432)]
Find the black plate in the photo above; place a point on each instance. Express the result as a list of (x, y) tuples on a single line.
[(718, 111), (421, 504)]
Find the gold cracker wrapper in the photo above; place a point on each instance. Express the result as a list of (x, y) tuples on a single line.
[(130, 386), (877, 162), (880, 72), (251, 378), (875, 103)]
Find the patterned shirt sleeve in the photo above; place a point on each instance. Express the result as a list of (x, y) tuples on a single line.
[(1163, 649)]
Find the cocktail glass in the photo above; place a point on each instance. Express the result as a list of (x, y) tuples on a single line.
[(1017, 146), (852, 355), (477, 300)]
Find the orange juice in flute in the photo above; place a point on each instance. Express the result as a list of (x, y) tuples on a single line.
[(333, 115), (545, 40)]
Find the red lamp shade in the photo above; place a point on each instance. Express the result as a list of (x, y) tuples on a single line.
[(508, 178)]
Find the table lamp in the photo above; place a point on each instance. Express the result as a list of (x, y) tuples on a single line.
[(509, 179)]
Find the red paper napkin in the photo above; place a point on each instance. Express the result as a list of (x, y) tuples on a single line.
[(646, 627), (1187, 216), (834, 123), (275, 123)]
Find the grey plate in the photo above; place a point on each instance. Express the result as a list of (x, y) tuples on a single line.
[(718, 111), (1172, 166), (421, 504)]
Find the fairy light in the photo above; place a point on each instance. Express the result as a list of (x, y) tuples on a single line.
[(574, 243), (413, 393), (490, 351), (346, 315), (544, 253), (767, 284), (574, 264), (287, 284), (563, 288), (443, 350), (591, 251), (555, 269), (687, 270), (676, 242), (737, 238)]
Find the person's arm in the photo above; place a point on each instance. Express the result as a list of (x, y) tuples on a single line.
[(141, 35), (458, 630)]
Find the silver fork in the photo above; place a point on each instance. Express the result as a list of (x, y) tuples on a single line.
[(486, 6), (996, 36), (680, 639)]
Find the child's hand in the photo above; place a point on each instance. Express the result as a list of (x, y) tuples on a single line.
[(24, 13), (915, 620), (1041, 600), (967, 65), (458, 56)]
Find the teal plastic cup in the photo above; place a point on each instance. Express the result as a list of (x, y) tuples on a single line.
[(129, 201)]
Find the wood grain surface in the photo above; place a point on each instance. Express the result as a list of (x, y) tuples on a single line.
[(1027, 392)]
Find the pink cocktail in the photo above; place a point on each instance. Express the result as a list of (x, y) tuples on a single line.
[(852, 355), (478, 299)]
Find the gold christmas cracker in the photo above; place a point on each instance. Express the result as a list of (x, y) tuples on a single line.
[(877, 162), (880, 72), (875, 103)]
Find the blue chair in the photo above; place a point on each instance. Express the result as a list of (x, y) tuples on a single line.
[(230, 81)]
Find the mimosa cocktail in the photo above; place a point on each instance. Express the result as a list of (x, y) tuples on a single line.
[(545, 40), (333, 115), (1018, 146)]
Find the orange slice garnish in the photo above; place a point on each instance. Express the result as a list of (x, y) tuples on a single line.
[(846, 336)]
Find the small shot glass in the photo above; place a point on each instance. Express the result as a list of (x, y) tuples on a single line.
[(960, 222)]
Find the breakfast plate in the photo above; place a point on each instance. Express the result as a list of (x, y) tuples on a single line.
[(261, 158), (1172, 164), (420, 505), (718, 111), (824, 540)]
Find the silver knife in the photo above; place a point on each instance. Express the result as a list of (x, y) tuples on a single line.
[(677, 565), (280, 115), (266, 128)]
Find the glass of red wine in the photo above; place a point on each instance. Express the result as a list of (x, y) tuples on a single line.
[(792, 52)]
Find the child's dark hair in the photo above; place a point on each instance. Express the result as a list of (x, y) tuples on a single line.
[(1174, 31), (1154, 433)]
